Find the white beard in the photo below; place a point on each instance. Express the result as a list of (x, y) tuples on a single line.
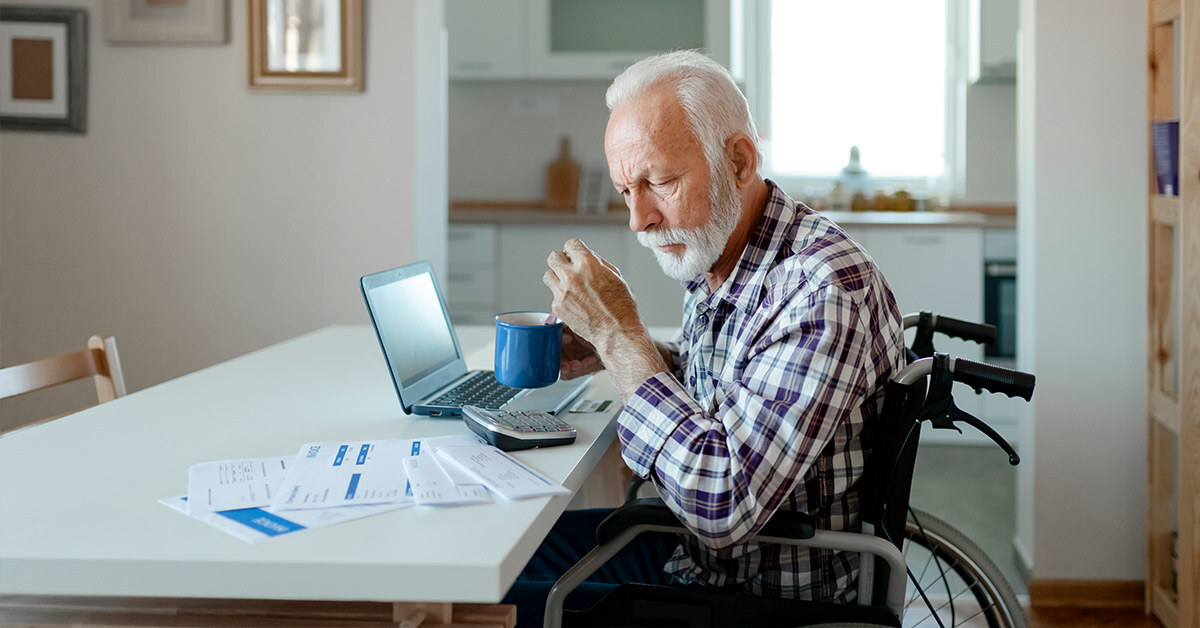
[(703, 245)]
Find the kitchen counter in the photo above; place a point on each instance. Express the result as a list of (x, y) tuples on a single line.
[(515, 213)]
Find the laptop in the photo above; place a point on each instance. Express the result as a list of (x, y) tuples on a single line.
[(425, 359)]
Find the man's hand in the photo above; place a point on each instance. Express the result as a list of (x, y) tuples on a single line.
[(579, 357), (590, 295), (591, 298)]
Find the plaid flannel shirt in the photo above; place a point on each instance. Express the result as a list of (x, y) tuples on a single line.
[(779, 377)]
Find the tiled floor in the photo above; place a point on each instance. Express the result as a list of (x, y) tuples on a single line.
[(973, 488)]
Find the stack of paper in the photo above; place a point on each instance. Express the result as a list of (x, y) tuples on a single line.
[(255, 499)]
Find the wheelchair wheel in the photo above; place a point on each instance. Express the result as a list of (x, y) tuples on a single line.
[(963, 585)]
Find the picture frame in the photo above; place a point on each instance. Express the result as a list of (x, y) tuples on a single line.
[(306, 45), (43, 69), (166, 22)]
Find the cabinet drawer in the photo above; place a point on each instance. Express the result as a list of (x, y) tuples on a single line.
[(467, 316), (471, 286), (472, 244)]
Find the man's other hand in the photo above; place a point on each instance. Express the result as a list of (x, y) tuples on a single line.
[(578, 356)]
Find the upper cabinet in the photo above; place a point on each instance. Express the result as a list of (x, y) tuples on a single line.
[(486, 38), (992, 41), (577, 39)]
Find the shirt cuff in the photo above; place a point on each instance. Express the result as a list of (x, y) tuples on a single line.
[(652, 414)]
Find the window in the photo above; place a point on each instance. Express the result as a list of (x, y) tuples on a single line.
[(877, 74)]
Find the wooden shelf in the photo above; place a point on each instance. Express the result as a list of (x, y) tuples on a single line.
[(1173, 324), (1165, 410), (1165, 209), (1165, 606), (1163, 11)]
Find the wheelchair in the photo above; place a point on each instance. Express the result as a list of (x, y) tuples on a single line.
[(953, 582)]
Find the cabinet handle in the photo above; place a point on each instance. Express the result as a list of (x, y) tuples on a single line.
[(457, 277), (474, 66), (923, 240)]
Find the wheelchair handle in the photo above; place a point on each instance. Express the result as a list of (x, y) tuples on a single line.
[(939, 407), (977, 375), (981, 333)]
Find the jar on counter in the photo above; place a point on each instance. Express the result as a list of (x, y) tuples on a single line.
[(839, 198), (881, 202)]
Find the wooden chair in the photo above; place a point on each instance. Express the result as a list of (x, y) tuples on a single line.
[(99, 360)]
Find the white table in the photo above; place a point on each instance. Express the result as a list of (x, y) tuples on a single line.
[(79, 514)]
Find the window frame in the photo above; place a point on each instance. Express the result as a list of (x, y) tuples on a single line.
[(751, 62)]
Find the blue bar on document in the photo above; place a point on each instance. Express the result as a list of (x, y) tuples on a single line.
[(416, 448), (353, 486), (262, 521), (362, 454), (341, 454)]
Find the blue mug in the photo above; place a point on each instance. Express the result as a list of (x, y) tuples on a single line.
[(528, 350)]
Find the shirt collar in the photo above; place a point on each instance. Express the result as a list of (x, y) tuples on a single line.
[(744, 287)]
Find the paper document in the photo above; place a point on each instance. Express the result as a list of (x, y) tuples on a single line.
[(233, 484), (431, 485), (325, 475), (500, 472), (254, 525)]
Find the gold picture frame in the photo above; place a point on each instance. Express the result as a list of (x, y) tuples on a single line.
[(166, 22), (306, 45)]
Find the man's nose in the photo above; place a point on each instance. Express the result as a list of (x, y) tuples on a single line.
[(643, 211)]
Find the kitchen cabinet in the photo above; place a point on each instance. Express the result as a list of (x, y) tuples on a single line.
[(588, 39), (992, 45), (471, 285), (516, 260), (523, 252), (938, 269), (577, 39), (486, 38)]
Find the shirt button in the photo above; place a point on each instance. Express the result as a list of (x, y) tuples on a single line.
[(693, 381), (704, 319)]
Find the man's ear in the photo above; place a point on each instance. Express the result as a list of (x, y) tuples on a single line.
[(740, 152)]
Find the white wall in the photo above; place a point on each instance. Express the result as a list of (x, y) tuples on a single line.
[(197, 220), (497, 153), (1082, 289)]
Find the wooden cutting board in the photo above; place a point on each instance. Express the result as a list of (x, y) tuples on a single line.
[(562, 179)]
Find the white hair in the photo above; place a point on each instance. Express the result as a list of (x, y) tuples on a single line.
[(716, 109)]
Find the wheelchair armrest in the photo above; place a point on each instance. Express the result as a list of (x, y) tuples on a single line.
[(652, 511)]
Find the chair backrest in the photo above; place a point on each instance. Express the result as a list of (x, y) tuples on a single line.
[(887, 478), (99, 361)]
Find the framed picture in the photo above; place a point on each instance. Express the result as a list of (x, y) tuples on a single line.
[(172, 22), (43, 69), (306, 45)]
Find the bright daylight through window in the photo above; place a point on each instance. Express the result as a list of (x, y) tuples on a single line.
[(866, 73)]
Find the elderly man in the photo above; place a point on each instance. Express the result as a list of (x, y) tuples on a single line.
[(789, 335)]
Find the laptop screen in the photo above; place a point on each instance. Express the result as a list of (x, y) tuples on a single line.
[(413, 327)]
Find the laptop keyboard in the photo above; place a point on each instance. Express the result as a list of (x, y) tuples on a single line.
[(481, 389)]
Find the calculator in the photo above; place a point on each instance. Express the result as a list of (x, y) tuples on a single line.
[(518, 429)]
